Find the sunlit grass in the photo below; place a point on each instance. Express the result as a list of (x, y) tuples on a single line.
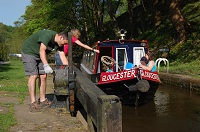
[(192, 69), (13, 79), (7, 119)]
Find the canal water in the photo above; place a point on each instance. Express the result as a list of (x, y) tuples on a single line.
[(173, 110)]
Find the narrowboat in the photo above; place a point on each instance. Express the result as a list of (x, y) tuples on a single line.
[(115, 69)]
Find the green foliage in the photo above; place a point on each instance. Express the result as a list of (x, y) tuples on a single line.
[(155, 39), (191, 12), (5, 35), (16, 41), (99, 20), (36, 16), (187, 51), (163, 36), (48, 14)]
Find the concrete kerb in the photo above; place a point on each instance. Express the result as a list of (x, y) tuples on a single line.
[(183, 81)]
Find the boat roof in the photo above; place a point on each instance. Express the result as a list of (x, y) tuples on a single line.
[(124, 40), (121, 42)]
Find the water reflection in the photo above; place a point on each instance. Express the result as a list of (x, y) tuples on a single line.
[(162, 103), (173, 109)]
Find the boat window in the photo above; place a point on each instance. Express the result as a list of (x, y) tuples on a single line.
[(86, 58), (91, 60), (121, 58), (138, 53)]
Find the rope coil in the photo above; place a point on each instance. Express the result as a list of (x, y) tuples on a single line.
[(107, 61)]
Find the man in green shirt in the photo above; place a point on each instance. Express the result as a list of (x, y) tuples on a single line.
[(34, 50)]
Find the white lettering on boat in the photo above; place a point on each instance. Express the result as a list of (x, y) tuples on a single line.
[(108, 77), (128, 74), (150, 75)]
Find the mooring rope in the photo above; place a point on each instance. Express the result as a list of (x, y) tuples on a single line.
[(108, 62)]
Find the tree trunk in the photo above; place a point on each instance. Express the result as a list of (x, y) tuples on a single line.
[(85, 22), (112, 8), (96, 17), (131, 17), (156, 12), (177, 19), (142, 16)]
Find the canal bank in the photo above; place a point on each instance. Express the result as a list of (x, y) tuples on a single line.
[(53, 119), (59, 119), (179, 80)]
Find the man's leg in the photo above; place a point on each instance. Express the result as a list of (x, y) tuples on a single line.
[(31, 71), (32, 87), (44, 102), (43, 87), (30, 67)]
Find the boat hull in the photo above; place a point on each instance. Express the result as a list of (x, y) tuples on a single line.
[(127, 97)]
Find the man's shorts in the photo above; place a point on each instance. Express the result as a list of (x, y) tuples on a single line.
[(32, 65)]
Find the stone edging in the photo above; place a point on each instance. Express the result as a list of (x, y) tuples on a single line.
[(184, 81)]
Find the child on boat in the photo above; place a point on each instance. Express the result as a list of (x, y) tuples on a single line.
[(75, 35), (144, 61), (151, 65)]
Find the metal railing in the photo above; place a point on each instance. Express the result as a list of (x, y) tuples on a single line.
[(166, 63)]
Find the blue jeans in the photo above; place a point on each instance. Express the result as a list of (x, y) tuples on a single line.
[(57, 59)]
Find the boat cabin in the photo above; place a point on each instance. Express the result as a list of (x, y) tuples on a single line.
[(123, 52), (115, 71)]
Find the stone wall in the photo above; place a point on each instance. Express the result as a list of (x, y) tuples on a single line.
[(184, 81)]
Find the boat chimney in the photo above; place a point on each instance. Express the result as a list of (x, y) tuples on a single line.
[(122, 33)]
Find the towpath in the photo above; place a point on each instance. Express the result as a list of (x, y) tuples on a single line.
[(50, 120)]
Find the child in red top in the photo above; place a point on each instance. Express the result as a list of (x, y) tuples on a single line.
[(74, 39), (61, 55)]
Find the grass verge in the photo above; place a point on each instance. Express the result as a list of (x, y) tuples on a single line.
[(7, 118), (191, 69), (14, 81)]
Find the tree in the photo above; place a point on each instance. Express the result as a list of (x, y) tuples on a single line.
[(177, 19), (163, 23), (5, 35)]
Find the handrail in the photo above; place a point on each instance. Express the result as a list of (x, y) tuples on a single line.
[(166, 63)]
